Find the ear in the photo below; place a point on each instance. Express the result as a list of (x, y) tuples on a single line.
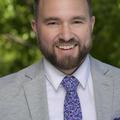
[(92, 22), (34, 25)]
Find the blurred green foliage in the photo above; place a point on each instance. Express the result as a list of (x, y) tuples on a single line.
[(107, 31), (18, 46), (17, 41)]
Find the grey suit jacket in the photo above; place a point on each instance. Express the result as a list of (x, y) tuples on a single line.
[(23, 94)]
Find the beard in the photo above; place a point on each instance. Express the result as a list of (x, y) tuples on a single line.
[(68, 61)]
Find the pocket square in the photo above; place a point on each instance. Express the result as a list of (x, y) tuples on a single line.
[(116, 118)]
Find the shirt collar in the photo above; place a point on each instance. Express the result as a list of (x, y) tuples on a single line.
[(83, 72), (55, 77)]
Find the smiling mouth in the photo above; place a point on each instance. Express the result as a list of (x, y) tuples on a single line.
[(66, 47)]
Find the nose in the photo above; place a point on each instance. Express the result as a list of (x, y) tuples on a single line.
[(66, 33)]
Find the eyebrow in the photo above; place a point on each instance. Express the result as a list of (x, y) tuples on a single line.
[(51, 19), (57, 19), (80, 18)]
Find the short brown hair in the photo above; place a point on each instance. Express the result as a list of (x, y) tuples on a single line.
[(36, 4)]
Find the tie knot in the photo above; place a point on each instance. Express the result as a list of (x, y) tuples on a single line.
[(70, 83)]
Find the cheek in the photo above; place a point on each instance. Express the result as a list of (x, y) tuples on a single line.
[(47, 35), (84, 36), (46, 40), (88, 37)]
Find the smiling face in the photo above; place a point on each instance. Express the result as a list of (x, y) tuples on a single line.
[(63, 29)]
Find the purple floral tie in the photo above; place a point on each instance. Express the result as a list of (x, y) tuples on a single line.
[(72, 108)]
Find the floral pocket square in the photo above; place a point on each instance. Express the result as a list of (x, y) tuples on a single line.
[(117, 118)]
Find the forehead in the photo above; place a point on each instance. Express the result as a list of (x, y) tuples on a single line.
[(63, 7)]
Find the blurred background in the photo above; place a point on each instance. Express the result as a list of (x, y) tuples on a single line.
[(18, 46)]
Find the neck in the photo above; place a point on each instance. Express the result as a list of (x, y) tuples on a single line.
[(69, 72)]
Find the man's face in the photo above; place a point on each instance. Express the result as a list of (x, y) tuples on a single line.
[(63, 29)]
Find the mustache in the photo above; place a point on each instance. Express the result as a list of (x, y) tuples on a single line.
[(63, 42)]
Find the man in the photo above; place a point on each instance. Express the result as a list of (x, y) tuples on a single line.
[(63, 29)]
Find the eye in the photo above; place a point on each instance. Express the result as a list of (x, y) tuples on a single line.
[(77, 22), (52, 23)]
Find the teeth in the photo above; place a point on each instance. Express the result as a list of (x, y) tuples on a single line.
[(66, 47)]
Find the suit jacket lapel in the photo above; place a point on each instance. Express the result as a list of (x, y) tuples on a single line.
[(103, 90), (36, 97)]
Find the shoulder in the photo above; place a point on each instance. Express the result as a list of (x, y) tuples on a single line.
[(23, 75), (104, 67)]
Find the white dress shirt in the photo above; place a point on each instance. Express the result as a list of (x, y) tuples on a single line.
[(56, 92)]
